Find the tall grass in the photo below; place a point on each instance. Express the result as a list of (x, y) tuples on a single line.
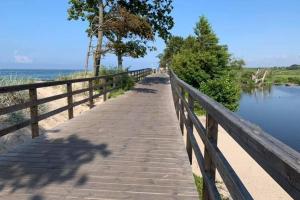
[(13, 98), (127, 82)]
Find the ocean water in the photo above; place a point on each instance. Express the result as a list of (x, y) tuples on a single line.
[(38, 74)]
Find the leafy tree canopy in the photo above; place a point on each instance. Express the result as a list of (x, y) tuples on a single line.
[(205, 64), (126, 24)]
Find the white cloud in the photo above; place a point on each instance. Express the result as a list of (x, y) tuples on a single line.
[(22, 58)]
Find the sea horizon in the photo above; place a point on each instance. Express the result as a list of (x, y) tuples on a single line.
[(37, 74)]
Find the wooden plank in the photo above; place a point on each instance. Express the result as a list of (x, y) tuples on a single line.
[(181, 111), (91, 100), (190, 129), (15, 127), (104, 89), (70, 101), (210, 168), (34, 113)]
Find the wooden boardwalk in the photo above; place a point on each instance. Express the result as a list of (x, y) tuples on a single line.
[(127, 148)]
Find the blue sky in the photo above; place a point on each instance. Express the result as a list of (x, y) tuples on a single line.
[(37, 34)]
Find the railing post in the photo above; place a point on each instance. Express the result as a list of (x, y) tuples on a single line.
[(104, 89), (114, 81), (181, 110), (91, 94), (209, 166), (139, 75), (34, 113), (190, 128), (121, 81), (70, 100), (176, 98)]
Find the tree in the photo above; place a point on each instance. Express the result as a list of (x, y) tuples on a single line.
[(237, 63), (101, 14), (205, 64), (129, 35), (173, 46)]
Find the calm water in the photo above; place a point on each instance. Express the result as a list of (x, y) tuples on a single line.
[(43, 74), (276, 110)]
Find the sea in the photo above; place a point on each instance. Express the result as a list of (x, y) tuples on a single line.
[(37, 74)]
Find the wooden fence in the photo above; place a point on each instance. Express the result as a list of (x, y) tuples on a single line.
[(280, 161), (100, 85)]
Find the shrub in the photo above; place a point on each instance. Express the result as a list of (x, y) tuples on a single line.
[(223, 90), (199, 185)]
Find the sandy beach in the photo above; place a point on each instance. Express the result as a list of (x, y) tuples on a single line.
[(260, 185)]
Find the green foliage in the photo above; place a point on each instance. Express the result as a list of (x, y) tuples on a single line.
[(201, 58), (199, 185), (116, 93), (205, 64), (237, 63), (127, 25), (223, 90), (173, 46), (293, 67)]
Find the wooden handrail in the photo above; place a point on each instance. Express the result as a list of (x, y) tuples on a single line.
[(280, 161), (34, 102)]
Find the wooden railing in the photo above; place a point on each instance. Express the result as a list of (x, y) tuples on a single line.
[(280, 161), (102, 85)]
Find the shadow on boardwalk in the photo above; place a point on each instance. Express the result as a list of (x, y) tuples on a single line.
[(45, 162), (155, 80), (151, 81)]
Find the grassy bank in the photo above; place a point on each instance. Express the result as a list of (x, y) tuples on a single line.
[(281, 76), (284, 76)]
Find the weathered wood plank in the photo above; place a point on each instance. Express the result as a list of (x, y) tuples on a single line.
[(34, 113), (123, 149)]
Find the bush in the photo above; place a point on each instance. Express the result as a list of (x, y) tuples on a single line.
[(295, 80), (224, 90)]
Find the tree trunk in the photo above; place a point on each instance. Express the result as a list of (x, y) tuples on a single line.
[(120, 61), (97, 59), (119, 53)]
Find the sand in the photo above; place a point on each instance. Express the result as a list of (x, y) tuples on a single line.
[(260, 185)]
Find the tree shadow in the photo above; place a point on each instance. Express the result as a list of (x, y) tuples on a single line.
[(155, 80), (47, 161), (144, 90)]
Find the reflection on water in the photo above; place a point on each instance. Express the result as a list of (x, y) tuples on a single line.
[(276, 109)]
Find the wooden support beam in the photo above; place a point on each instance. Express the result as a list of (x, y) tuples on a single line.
[(189, 129), (70, 100), (210, 168), (91, 100), (104, 89), (181, 111), (34, 113)]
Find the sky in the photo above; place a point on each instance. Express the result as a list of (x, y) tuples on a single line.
[(37, 34)]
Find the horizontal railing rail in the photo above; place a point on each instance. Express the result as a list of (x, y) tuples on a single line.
[(281, 162), (103, 84)]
